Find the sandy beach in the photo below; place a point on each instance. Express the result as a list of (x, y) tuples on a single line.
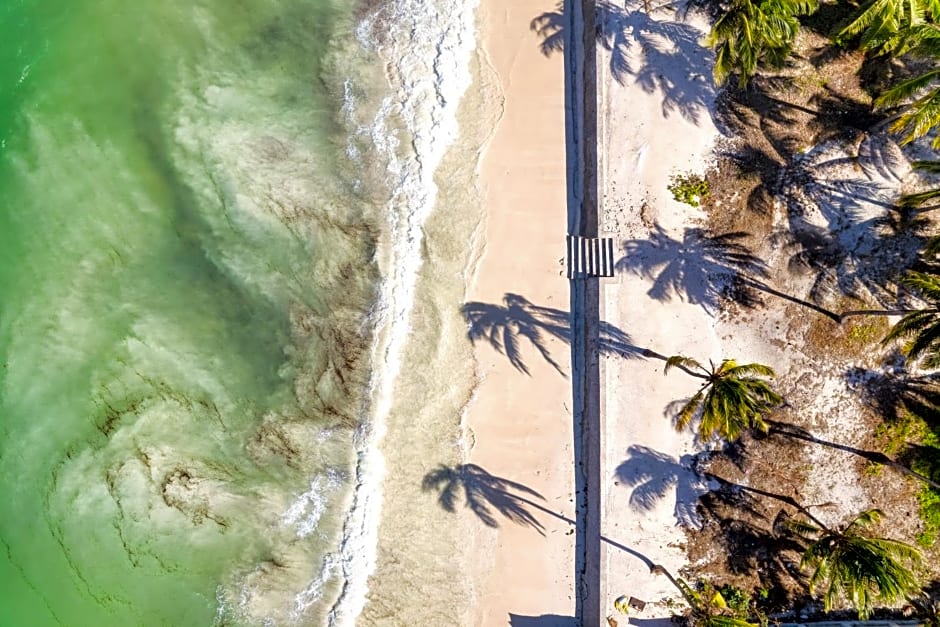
[(657, 122), (520, 422), (653, 116)]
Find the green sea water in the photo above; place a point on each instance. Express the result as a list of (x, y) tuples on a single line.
[(185, 274)]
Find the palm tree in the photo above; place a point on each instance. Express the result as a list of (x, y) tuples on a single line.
[(755, 33), (730, 401), (880, 21), (852, 566), (708, 607), (921, 326), (911, 201), (921, 93)]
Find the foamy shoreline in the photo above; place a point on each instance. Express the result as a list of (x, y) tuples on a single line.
[(426, 48)]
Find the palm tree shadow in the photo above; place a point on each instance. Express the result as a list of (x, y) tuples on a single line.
[(893, 392), (705, 269), (674, 63), (844, 223), (702, 269), (653, 474), (503, 326), (485, 495), (752, 542)]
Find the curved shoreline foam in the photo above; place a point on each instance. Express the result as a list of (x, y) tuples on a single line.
[(427, 48)]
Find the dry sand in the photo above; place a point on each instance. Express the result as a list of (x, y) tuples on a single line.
[(655, 120), (657, 98), (520, 422)]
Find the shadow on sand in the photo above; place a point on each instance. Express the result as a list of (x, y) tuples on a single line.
[(843, 221), (704, 269), (671, 62), (701, 268), (842, 225), (545, 620), (486, 494), (652, 475), (504, 326)]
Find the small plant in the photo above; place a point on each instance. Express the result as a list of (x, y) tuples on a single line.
[(930, 513), (689, 188), (865, 333), (898, 436), (737, 599)]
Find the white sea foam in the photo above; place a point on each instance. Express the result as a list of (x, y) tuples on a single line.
[(314, 590), (427, 46), (305, 512)]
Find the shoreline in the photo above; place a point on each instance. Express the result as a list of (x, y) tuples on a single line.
[(427, 112)]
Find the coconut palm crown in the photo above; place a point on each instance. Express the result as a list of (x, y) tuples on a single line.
[(861, 570), (921, 327), (754, 33), (731, 400), (920, 94), (880, 21)]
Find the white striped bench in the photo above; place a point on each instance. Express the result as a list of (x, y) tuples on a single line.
[(590, 256)]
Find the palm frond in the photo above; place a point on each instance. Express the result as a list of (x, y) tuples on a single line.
[(802, 528), (751, 34), (906, 90), (925, 283), (931, 167), (688, 411), (925, 342), (921, 117), (859, 569), (730, 368), (911, 201), (882, 24), (865, 519), (680, 360)]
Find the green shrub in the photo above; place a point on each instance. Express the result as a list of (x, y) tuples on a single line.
[(895, 437), (689, 188), (737, 599)]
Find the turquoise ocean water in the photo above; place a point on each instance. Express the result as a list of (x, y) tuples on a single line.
[(230, 341), (187, 265)]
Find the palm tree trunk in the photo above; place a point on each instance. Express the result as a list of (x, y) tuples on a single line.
[(838, 318), (789, 500), (876, 312), (872, 456)]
